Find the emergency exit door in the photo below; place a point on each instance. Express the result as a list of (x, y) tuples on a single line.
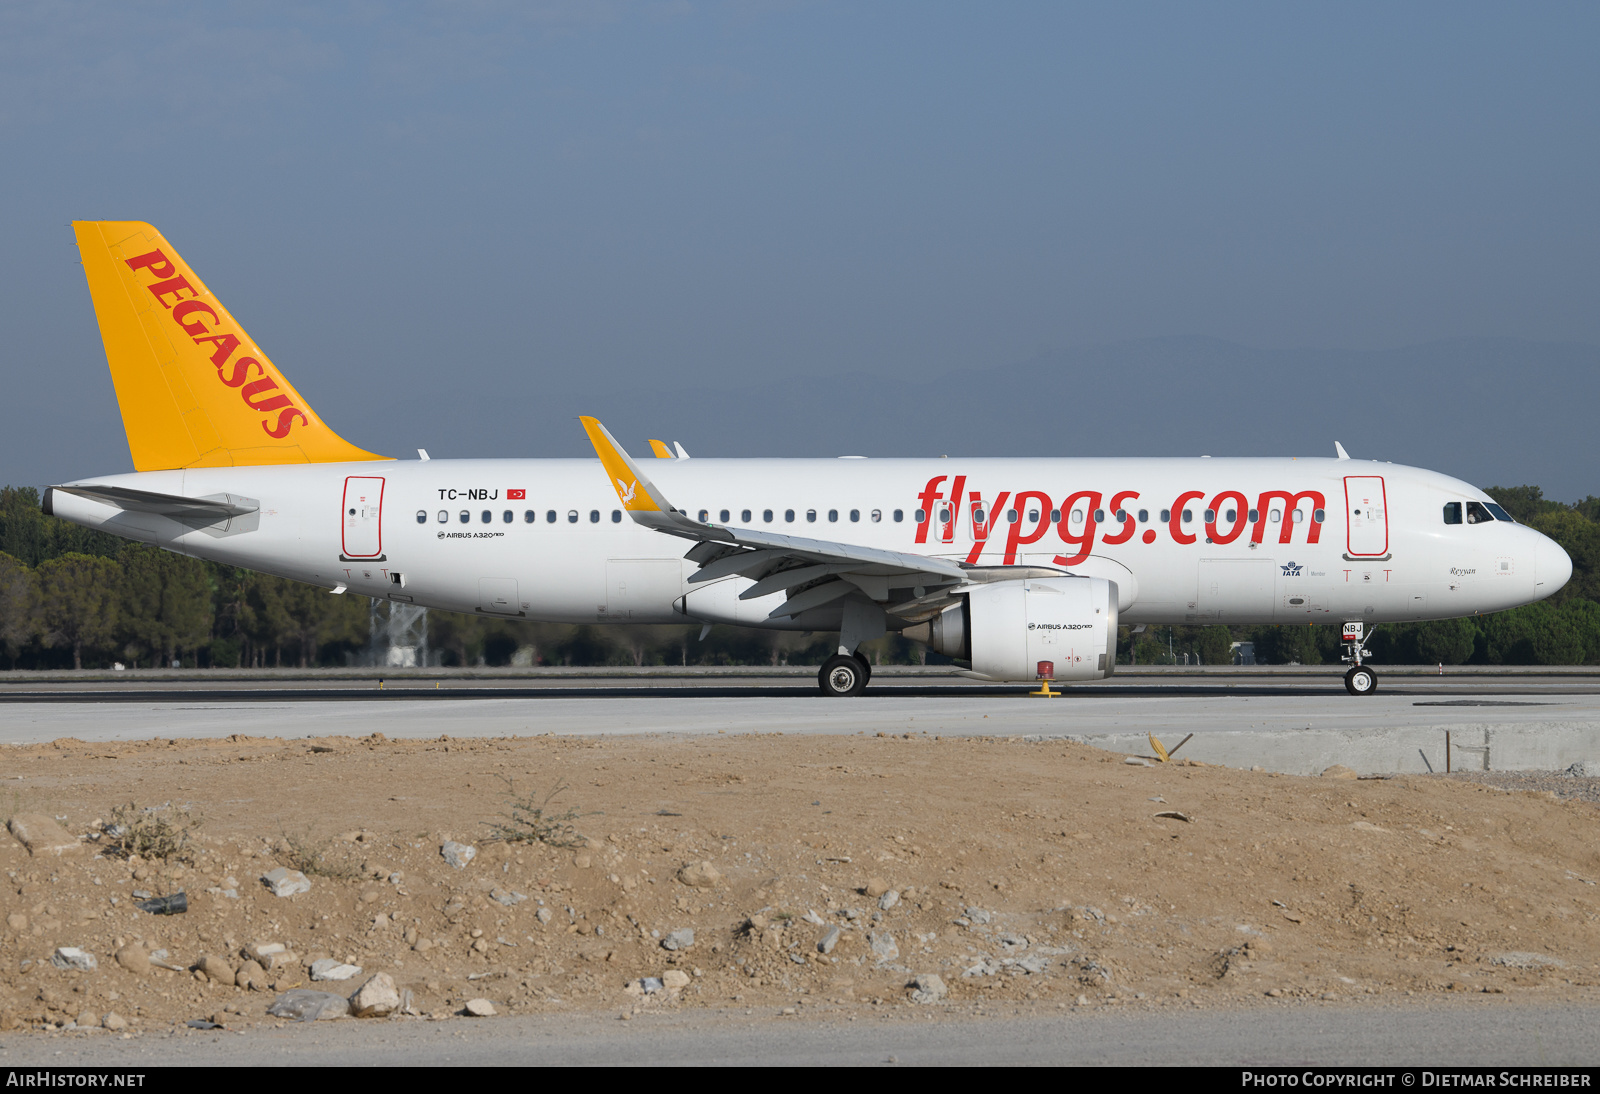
[(363, 517), (1366, 511)]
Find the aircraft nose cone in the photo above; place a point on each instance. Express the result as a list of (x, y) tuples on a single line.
[(1552, 565)]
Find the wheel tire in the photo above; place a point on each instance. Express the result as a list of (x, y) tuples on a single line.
[(866, 667), (1361, 681), (841, 675)]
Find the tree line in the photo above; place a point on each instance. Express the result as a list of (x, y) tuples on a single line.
[(72, 597)]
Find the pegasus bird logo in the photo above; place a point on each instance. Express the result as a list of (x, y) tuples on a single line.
[(627, 490)]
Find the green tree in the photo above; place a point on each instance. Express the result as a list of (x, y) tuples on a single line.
[(1445, 641), (78, 598), (1583, 616), (166, 602), (1215, 646), (19, 605)]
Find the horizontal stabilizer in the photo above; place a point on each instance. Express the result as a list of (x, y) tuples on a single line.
[(212, 509)]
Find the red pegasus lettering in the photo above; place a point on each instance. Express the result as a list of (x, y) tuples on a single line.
[(257, 388), (241, 371), (1175, 523), (170, 288), (159, 265), (224, 345), (188, 308), (285, 423)]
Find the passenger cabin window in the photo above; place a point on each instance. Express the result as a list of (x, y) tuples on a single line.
[(766, 515), (572, 516), (529, 517), (877, 516), (918, 515), (486, 516), (466, 517), (1166, 515), (508, 516), (616, 516), (1452, 512), (1477, 514), (1188, 515), (444, 518), (422, 516), (811, 515), (1055, 516), (1211, 516), (550, 516), (1255, 515), (1099, 516), (1319, 515), (723, 516), (788, 516), (833, 514), (1033, 515), (855, 516), (899, 515), (1011, 516), (705, 514), (744, 516), (1275, 515), (1121, 514), (594, 516), (1077, 516), (1144, 516)]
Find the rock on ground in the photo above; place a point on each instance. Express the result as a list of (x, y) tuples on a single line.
[(680, 939), (480, 1008), (328, 969), (928, 988), (884, 947), (700, 875), (458, 854), (376, 998), (42, 836), (286, 882), (71, 957)]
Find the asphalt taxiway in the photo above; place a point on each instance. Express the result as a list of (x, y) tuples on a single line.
[(1293, 721)]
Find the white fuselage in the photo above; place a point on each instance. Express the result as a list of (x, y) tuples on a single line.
[(455, 534)]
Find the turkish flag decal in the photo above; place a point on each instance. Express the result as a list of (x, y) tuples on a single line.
[(516, 495)]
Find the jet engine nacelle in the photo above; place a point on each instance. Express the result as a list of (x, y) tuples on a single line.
[(1007, 628)]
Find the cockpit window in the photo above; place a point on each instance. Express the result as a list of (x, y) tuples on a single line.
[(1477, 514), (1499, 513), (1452, 512)]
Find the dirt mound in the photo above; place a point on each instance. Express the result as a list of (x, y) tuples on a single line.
[(813, 873)]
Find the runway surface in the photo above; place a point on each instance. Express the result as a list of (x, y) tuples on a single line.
[(1169, 707), (1405, 1035)]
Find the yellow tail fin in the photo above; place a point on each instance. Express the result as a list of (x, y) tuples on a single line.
[(194, 388)]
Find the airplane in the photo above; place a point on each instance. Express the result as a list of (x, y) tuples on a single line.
[(1018, 569)]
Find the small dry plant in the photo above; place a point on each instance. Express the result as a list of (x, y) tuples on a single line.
[(312, 858), (529, 819), (153, 832)]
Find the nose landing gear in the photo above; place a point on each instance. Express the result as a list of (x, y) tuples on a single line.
[(1360, 680)]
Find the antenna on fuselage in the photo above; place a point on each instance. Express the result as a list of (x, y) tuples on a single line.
[(1339, 448)]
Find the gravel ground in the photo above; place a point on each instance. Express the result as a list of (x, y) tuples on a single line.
[(1563, 787)]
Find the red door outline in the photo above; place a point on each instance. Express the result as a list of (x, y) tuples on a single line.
[(1349, 524), (344, 514)]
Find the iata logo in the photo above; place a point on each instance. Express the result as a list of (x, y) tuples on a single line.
[(1291, 569), (186, 312)]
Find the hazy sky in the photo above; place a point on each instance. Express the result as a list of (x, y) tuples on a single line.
[(431, 214)]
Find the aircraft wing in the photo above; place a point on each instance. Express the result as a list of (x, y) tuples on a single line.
[(813, 571)]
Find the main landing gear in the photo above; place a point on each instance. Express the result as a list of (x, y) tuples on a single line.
[(844, 674), (1360, 680)]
